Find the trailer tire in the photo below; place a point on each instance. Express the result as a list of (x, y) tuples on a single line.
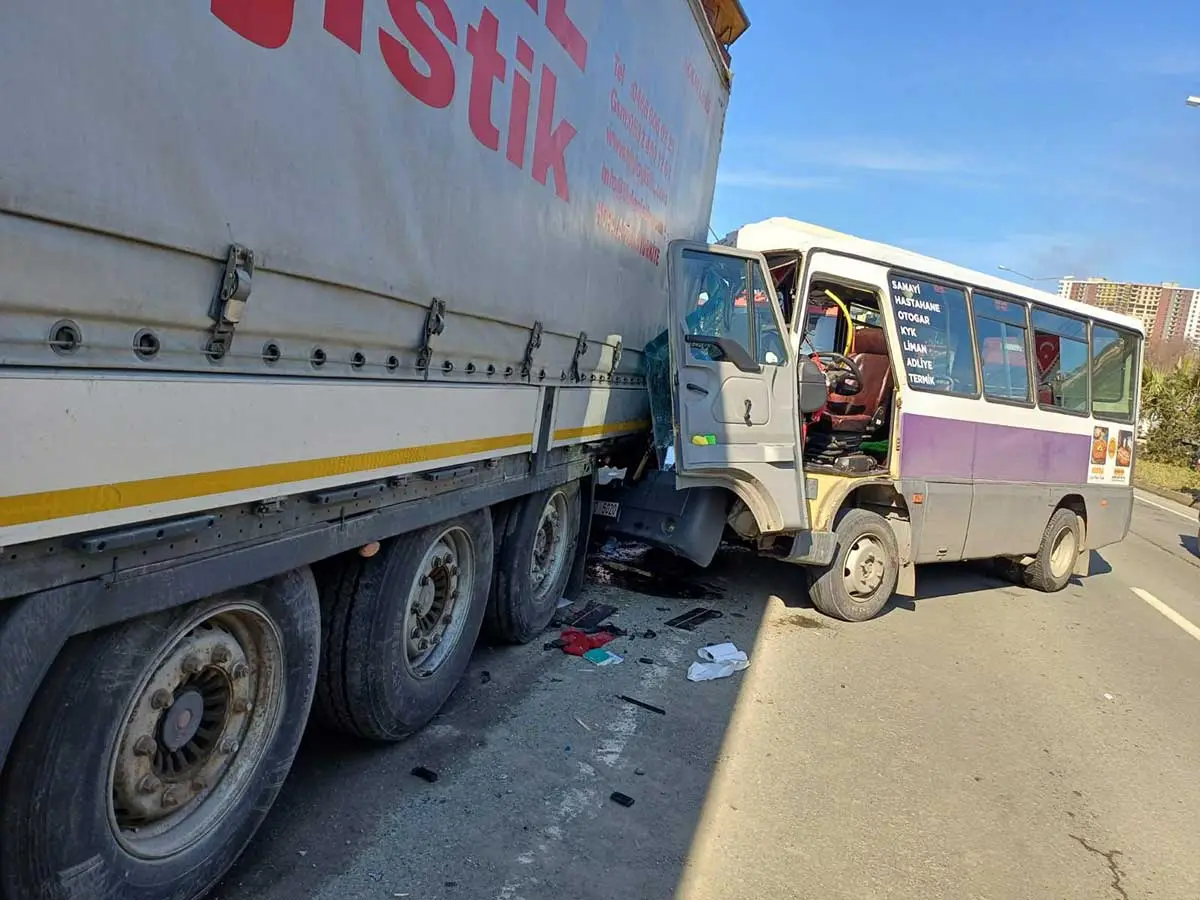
[(864, 572), (398, 630), (94, 801), (536, 542), (1054, 562)]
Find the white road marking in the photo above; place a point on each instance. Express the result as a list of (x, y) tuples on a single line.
[(1175, 617), (1173, 512), (586, 800)]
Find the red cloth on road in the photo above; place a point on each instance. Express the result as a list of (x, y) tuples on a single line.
[(577, 643)]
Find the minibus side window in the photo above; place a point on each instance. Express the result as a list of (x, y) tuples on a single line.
[(1060, 348), (1002, 332), (1114, 373), (935, 335)]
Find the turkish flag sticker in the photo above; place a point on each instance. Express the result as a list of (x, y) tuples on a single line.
[(1047, 347)]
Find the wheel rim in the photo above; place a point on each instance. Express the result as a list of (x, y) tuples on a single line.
[(204, 713), (438, 600), (549, 556), (1063, 553), (864, 568)]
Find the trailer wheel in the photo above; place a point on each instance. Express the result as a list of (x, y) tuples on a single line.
[(536, 547), (862, 577), (399, 628), (155, 747), (1054, 563)]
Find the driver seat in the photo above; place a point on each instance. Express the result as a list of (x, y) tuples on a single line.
[(856, 413)]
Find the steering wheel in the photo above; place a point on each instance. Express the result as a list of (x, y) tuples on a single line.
[(839, 361)]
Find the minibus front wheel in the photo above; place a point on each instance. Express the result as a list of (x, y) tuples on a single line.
[(862, 577)]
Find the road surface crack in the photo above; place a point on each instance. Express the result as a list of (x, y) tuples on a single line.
[(1110, 857)]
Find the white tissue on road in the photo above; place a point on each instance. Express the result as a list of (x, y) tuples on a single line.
[(720, 661)]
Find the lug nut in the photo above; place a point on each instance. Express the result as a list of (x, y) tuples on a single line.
[(145, 746), (242, 705), (169, 799), (239, 670), (453, 571), (424, 645), (199, 784), (423, 581), (149, 784), (161, 698), (220, 655), (229, 746), (192, 665)]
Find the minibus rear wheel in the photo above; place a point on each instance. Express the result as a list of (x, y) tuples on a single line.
[(1054, 563)]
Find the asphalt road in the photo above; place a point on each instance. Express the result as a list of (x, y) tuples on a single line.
[(984, 741)]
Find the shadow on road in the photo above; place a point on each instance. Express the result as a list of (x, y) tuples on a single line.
[(532, 744), (1190, 543), (510, 746)]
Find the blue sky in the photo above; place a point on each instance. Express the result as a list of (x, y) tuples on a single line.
[(1046, 135)]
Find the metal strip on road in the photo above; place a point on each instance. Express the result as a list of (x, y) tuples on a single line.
[(1175, 617)]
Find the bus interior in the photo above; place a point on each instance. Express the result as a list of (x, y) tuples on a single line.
[(841, 324)]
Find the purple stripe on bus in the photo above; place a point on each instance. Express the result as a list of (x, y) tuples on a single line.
[(950, 448)]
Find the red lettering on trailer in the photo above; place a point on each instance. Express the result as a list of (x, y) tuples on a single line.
[(487, 68), (518, 110), (344, 20), (267, 23), (550, 144), (436, 88), (421, 59), (565, 32)]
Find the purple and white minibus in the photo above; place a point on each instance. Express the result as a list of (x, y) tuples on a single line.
[(874, 409)]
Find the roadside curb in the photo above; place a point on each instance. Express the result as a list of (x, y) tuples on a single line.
[(1165, 493)]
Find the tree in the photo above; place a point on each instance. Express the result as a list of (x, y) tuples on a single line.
[(1171, 409)]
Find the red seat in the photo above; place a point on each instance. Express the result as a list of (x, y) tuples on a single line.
[(855, 413)]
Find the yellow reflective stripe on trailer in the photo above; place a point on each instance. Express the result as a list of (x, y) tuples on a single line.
[(587, 431), (60, 504)]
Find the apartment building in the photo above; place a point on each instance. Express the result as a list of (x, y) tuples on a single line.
[(1170, 313)]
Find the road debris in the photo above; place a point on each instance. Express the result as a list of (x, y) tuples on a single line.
[(425, 774), (582, 724), (623, 799), (603, 658), (574, 642), (589, 617), (693, 617), (643, 704), (645, 660), (720, 661)]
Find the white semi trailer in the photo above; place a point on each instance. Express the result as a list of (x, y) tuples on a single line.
[(316, 320)]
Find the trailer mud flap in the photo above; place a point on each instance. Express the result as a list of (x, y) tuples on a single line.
[(32, 631), (689, 523)]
